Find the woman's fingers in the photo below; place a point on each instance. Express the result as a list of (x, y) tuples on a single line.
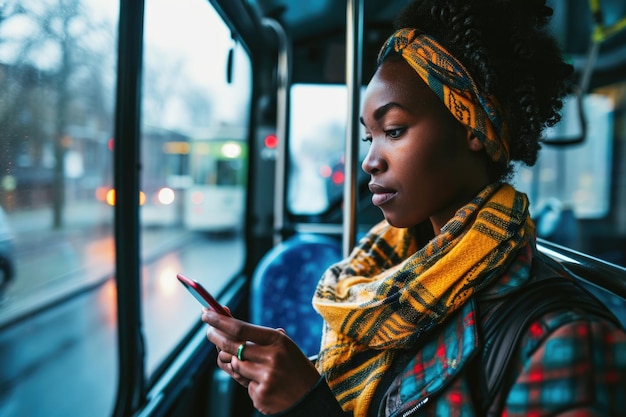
[(224, 361), (224, 342), (224, 357), (240, 330)]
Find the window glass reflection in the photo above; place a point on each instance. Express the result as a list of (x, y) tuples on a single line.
[(57, 311), (194, 159)]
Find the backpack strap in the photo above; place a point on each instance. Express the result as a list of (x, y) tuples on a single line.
[(549, 291)]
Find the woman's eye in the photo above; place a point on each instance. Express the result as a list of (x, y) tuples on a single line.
[(395, 133), (367, 139)]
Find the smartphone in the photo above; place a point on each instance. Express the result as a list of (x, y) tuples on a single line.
[(202, 294)]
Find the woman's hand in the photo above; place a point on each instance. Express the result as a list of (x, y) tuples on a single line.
[(275, 371)]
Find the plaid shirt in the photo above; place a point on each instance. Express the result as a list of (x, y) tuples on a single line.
[(569, 364)]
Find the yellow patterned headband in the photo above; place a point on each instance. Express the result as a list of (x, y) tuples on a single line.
[(449, 79)]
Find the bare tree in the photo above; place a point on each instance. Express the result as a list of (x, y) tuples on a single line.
[(63, 49)]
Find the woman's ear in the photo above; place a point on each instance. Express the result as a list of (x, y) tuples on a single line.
[(473, 143)]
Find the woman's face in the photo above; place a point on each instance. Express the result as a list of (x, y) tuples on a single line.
[(422, 162)]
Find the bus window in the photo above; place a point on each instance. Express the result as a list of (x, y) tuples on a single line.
[(317, 144), (194, 126), (577, 176), (574, 188), (57, 308)]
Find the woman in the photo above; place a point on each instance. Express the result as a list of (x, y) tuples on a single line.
[(462, 89)]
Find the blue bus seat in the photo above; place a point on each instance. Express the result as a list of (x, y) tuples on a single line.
[(283, 285)]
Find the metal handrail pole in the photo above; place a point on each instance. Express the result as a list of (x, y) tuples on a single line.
[(354, 58)]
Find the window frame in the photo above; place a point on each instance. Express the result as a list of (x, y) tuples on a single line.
[(131, 353)]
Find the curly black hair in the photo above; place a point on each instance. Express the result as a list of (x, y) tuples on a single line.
[(506, 46)]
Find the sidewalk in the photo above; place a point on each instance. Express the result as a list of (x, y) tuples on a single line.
[(52, 265)]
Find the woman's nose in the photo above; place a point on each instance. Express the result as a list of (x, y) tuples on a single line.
[(373, 162)]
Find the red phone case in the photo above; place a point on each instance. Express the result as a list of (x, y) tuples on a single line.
[(201, 294)]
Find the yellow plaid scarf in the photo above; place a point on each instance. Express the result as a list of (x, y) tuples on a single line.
[(391, 290), (454, 85)]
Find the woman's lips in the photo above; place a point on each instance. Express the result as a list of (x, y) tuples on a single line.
[(381, 194)]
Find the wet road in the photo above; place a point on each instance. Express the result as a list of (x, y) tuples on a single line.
[(62, 361)]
